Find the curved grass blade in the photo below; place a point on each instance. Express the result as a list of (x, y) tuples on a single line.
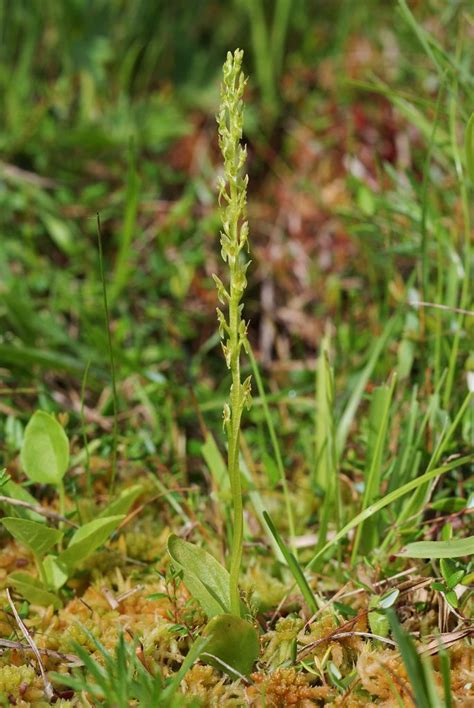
[(294, 566)]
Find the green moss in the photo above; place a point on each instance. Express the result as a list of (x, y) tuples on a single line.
[(14, 680)]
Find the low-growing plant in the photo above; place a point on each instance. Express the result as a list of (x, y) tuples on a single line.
[(121, 678), (233, 642), (45, 459)]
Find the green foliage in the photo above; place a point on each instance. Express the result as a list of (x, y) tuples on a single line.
[(33, 590), (294, 567), (378, 621), (54, 570), (469, 147), (367, 535), (45, 458), (45, 450), (206, 579), (87, 539), (122, 503), (233, 645), (419, 671), (120, 678), (385, 501), (393, 288), (454, 548), (39, 538), (326, 476)]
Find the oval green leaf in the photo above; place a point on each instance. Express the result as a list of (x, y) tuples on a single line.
[(33, 590), (233, 645), (87, 539), (205, 578), (45, 449), (455, 548), (35, 536)]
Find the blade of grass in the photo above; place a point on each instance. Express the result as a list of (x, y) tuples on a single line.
[(294, 567), (275, 445), (199, 646), (378, 424), (84, 433), (124, 259), (445, 670), (364, 376), (111, 358), (325, 473), (416, 503), (411, 660)]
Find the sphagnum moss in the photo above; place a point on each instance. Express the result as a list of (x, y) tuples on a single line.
[(234, 243)]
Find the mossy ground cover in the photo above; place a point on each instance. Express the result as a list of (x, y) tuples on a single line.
[(358, 445)]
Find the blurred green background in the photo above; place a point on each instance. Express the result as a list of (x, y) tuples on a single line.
[(108, 107)]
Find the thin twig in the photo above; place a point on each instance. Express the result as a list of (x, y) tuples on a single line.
[(438, 306), (48, 689), (342, 635), (72, 659), (38, 510)]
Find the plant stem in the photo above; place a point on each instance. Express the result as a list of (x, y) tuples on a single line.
[(62, 507), (234, 234), (233, 460)]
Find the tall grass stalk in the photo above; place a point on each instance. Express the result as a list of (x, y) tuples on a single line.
[(111, 357), (233, 330), (276, 450)]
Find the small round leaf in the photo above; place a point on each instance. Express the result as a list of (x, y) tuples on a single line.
[(233, 645), (45, 449)]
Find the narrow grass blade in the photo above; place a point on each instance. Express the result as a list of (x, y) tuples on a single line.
[(445, 670), (294, 567), (378, 424), (215, 463), (124, 256), (469, 147), (418, 672), (199, 646), (325, 472), (356, 396), (258, 503), (111, 357), (416, 502), (274, 441)]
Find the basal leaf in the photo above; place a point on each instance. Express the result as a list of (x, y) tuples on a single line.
[(205, 578), (233, 642), (88, 538), (45, 449), (39, 538), (33, 590), (455, 548)]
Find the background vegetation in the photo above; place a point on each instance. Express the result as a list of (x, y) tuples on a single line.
[(360, 208)]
